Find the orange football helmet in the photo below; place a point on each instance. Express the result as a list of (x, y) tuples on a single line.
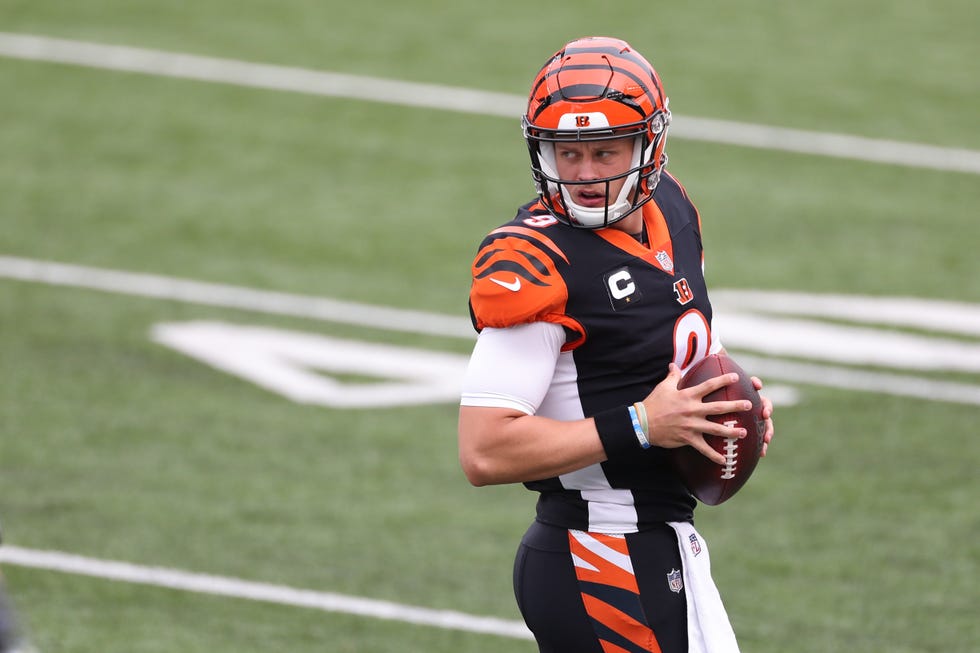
[(596, 88)]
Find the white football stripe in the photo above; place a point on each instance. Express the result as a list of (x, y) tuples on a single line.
[(850, 379), (393, 319), (940, 315), (267, 592), (440, 97), (227, 296)]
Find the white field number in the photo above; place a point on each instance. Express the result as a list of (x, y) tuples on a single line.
[(298, 365), (781, 337)]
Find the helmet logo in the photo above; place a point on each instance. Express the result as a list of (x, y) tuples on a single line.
[(582, 120)]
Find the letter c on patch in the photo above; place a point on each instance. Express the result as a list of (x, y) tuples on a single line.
[(621, 284)]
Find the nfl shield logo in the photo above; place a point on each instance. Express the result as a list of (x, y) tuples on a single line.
[(664, 259), (695, 545), (674, 581)]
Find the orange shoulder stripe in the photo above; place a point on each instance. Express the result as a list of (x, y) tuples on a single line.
[(541, 238)]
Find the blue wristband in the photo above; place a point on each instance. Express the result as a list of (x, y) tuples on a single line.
[(641, 435)]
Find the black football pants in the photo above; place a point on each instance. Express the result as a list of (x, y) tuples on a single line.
[(569, 614)]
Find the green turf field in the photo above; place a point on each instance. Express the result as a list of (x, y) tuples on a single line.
[(859, 532)]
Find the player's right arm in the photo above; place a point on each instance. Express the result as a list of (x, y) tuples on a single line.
[(501, 445), (518, 302), (501, 439)]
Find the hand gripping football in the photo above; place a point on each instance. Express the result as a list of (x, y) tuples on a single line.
[(710, 482)]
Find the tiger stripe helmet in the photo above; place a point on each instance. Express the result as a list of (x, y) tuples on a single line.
[(596, 88)]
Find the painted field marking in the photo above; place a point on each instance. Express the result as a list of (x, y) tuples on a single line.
[(299, 365), (440, 97), (747, 321), (253, 591), (227, 296)]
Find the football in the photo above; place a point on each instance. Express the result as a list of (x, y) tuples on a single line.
[(710, 482)]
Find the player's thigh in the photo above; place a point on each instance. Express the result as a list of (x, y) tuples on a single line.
[(659, 572), (548, 593)]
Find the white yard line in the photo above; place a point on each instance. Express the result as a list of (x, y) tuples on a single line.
[(964, 319), (266, 592), (226, 296), (435, 96)]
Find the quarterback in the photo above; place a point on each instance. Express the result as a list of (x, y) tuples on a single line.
[(589, 303)]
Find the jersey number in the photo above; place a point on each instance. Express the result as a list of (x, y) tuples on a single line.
[(542, 221), (692, 338)]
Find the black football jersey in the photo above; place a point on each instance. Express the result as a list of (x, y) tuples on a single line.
[(628, 310)]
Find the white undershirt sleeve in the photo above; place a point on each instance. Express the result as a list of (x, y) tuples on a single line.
[(716, 344), (513, 367)]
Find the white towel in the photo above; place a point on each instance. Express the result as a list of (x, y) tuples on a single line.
[(708, 627)]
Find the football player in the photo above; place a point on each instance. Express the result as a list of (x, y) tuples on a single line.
[(589, 304)]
